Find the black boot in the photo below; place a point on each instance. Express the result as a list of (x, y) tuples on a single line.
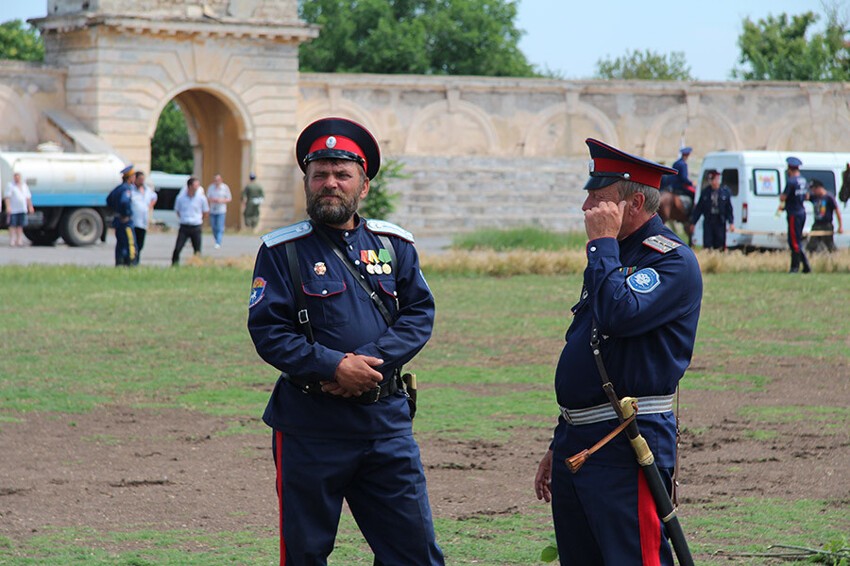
[(795, 262), (805, 260)]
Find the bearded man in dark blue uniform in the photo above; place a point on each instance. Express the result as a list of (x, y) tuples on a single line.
[(339, 412), (642, 289), (121, 202)]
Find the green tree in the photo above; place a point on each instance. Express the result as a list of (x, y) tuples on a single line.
[(20, 41), (171, 150), (780, 48), (645, 65), (451, 37)]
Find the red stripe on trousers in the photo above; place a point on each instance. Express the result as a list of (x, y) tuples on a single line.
[(650, 525), (792, 233), (278, 464)]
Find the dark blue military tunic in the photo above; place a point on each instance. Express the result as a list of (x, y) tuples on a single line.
[(343, 319), (681, 183), (648, 336), (646, 304), (120, 201), (328, 448)]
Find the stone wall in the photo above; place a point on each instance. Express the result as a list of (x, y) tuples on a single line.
[(485, 151), (478, 151), (241, 10), (26, 90)]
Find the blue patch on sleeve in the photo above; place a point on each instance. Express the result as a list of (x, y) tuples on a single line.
[(644, 281), (258, 289)]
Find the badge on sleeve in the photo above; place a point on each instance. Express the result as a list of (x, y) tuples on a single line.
[(258, 289), (643, 281)]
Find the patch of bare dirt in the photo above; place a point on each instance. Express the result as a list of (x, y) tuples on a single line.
[(119, 468)]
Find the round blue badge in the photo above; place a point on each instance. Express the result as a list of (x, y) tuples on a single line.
[(644, 280)]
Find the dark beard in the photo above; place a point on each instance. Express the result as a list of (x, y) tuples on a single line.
[(332, 213)]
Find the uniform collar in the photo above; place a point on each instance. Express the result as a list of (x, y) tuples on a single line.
[(359, 223), (650, 228)]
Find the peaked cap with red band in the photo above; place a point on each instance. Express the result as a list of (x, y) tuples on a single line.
[(609, 165), (338, 138)]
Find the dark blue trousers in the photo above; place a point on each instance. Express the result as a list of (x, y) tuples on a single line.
[(125, 243), (384, 484), (795, 242), (714, 235), (605, 516)]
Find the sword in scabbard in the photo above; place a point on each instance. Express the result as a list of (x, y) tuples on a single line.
[(626, 410)]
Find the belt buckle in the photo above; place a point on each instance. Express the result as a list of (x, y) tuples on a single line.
[(372, 396)]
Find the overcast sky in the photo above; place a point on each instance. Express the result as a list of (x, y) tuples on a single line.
[(569, 36)]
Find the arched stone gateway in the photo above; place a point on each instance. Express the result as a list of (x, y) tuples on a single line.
[(477, 151), (220, 136), (230, 65)]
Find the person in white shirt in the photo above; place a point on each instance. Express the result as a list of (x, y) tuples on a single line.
[(142, 199), (18, 203), (219, 195), (191, 208)]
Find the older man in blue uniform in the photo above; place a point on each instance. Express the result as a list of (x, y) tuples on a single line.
[(339, 412), (120, 200), (642, 289)]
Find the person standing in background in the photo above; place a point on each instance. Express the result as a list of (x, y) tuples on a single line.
[(191, 208), (791, 200), (824, 205), (715, 205), (120, 201), (18, 203), (252, 198), (219, 195), (143, 198)]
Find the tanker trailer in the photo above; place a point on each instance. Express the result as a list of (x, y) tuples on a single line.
[(68, 193)]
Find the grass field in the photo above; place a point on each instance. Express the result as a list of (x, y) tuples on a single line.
[(78, 339)]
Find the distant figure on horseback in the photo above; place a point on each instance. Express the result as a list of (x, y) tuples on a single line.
[(677, 194)]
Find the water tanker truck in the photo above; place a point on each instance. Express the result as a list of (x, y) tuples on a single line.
[(68, 193)]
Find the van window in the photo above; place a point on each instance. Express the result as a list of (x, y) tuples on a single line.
[(728, 177), (165, 197), (825, 177), (766, 182)]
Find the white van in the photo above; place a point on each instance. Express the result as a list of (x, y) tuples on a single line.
[(756, 179)]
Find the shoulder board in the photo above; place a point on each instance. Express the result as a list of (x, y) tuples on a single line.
[(661, 244), (384, 227), (287, 233)]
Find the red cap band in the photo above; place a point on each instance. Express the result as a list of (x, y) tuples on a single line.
[(638, 174), (338, 143)]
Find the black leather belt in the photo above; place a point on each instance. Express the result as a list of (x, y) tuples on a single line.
[(385, 389)]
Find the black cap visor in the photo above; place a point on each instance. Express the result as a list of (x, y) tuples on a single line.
[(333, 154), (600, 180)]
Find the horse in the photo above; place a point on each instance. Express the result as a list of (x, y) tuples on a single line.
[(672, 209), (844, 193)]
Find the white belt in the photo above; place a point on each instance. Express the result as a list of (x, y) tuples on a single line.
[(605, 412)]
